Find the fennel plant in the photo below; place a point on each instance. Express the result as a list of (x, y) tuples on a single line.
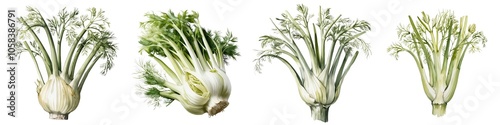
[(438, 46), (193, 59), (88, 37), (332, 44)]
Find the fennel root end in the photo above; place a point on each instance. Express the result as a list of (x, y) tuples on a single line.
[(438, 109), (58, 116), (320, 112)]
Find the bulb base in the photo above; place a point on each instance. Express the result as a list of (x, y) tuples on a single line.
[(320, 112), (438, 109), (58, 116), (218, 107)]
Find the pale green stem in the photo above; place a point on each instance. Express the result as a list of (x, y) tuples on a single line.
[(287, 64), (36, 63), (336, 60), (429, 92), (321, 40), (80, 85), (207, 47), (171, 95), (174, 63), (71, 51), (329, 57), (73, 63), (55, 66), (201, 58), (341, 70), (59, 47), (293, 47), (169, 71), (308, 42), (450, 91), (446, 51), (339, 82), (69, 57), (44, 54), (192, 54), (79, 75), (186, 62)]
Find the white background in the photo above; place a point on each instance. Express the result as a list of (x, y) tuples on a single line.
[(377, 90)]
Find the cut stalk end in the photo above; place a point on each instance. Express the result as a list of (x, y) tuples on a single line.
[(218, 107), (320, 112), (438, 109), (58, 116)]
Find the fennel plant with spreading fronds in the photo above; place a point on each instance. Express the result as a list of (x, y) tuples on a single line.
[(89, 40), (438, 46)]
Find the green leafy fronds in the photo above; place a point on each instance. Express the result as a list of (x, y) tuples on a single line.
[(153, 80), (155, 97), (150, 75), (108, 51), (161, 27), (321, 38)]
